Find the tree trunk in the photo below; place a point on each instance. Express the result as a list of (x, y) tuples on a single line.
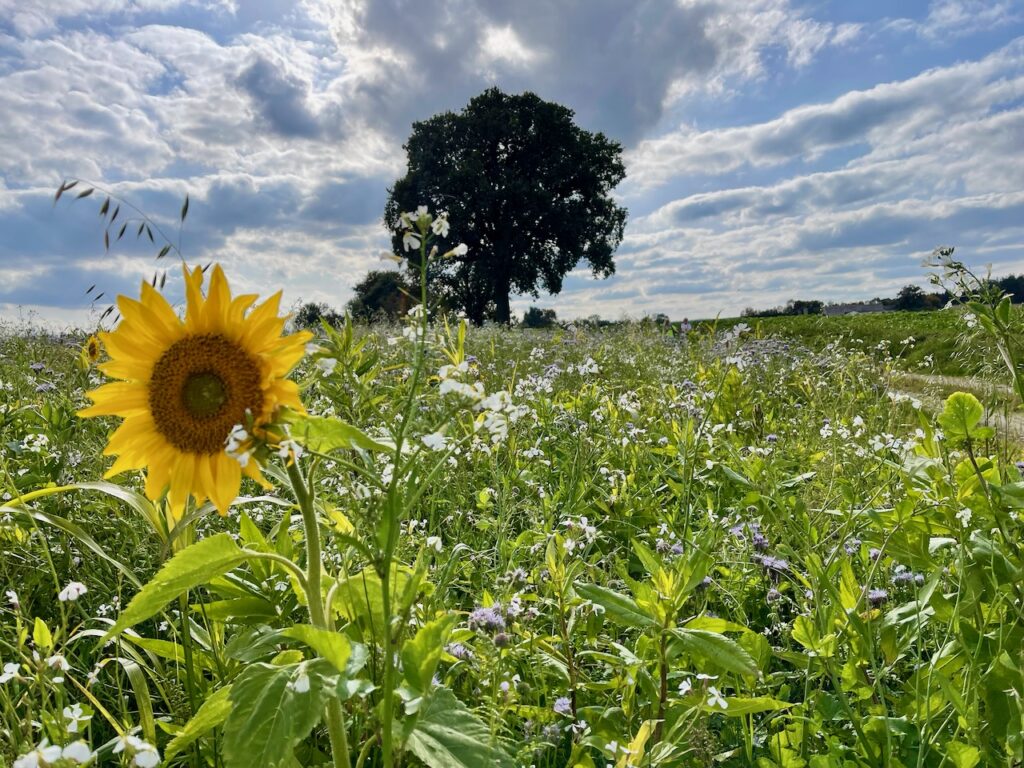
[(502, 312)]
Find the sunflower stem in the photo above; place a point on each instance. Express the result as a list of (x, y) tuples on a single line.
[(314, 596), (190, 684)]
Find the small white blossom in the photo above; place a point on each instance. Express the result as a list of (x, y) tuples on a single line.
[(716, 699), (72, 592), (327, 364)]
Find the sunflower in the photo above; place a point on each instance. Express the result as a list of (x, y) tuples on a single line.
[(184, 384)]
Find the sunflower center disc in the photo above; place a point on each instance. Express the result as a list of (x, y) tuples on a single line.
[(200, 388), (204, 394)]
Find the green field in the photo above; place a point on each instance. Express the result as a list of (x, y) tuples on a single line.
[(724, 549), (932, 342)]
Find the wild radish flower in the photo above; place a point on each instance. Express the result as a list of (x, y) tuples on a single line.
[(146, 755), (964, 516), (410, 241), (10, 672), (716, 699), (77, 752), (75, 715), (12, 599), (685, 687), (440, 225), (72, 592), (327, 364), (42, 755), (434, 543), (436, 441)]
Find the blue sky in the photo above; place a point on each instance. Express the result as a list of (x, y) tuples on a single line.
[(775, 149)]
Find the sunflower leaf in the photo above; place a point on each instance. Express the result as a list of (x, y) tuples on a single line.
[(189, 568), (324, 434)]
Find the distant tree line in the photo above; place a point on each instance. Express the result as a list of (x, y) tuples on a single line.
[(911, 298)]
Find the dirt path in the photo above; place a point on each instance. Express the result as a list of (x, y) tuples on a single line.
[(932, 389)]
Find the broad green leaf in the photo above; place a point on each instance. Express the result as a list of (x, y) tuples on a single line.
[(41, 636), (213, 712), (741, 706), (421, 654), (962, 755), (194, 565), (716, 650), (960, 416), (269, 716), (445, 734), (333, 646), (620, 608), (325, 434)]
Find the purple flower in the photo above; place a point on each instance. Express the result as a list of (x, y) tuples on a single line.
[(852, 546), (1020, 467), (563, 706), (459, 651), (501, 640), (37, 366), (760, 541), (874, 553), (677, 549), (877, 597), (487, 619), (45, 387), (774, 564), (773, 595), (772, 438)]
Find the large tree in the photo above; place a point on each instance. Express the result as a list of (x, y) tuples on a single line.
[(525, 188)]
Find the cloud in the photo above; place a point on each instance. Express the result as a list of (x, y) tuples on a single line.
[(886, 116), (279, 100)]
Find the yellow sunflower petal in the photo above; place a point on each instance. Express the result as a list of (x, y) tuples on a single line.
[(119, 398)]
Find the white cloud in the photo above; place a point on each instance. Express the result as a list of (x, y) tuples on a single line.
[(886, 116)]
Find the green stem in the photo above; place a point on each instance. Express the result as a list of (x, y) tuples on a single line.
[(314, 596), (186, 646)]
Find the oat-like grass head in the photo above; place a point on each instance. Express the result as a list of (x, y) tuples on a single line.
[(183, 384)]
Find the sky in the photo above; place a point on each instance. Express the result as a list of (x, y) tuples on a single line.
[(774, 149)]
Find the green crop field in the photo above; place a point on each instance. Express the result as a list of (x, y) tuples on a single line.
[(575, 547)]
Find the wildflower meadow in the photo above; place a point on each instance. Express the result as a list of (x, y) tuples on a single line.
[(229, 542)]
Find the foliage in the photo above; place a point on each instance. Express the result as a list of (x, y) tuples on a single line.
[(526, 190), (535, 317), (311, 314), (382, 295)]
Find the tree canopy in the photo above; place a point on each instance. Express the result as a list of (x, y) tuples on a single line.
[(525, 188), (382, 294)]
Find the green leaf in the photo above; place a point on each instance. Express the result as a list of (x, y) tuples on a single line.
[(962, 755), (213, 712), (740, 706), (420, 656), (445, 734), (324, 434), (41, 636), (332, 646), (269, 717), (192, 566), (716, 650), (620, 608), (960, 417)]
